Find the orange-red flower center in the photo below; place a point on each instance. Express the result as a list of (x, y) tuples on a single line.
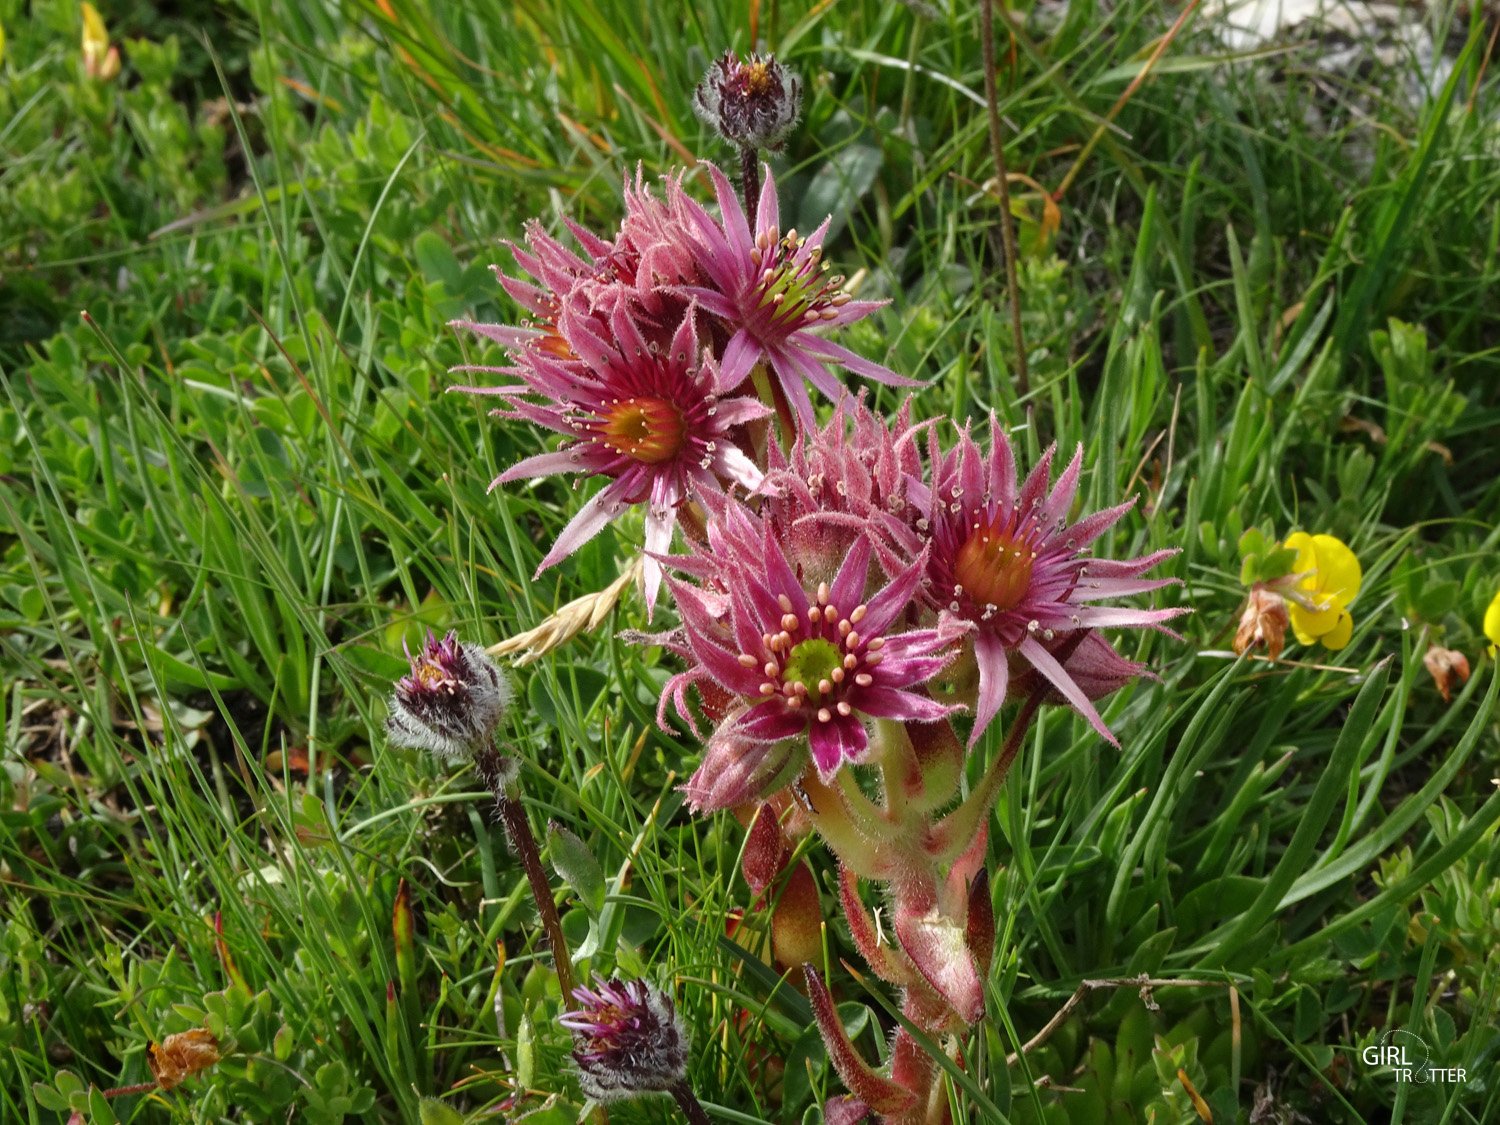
[(554, 344), (651, 430), (993, 568)]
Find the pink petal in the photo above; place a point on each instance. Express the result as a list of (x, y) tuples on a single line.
[(858, 364), (813, 371), (542, 465), (770, 721), (767, 212), (736, 228), (835, 742), (732, 464), (1061, 500), (1100, 617), (1045, 663), (885, 606), (738, 411), (741, 354), (659, 527), (848, 586), (589, 521), (994, 680), (888, 703), (1002, 467), (1035, 488), (1086, 530), (791, 382), (500, 333)]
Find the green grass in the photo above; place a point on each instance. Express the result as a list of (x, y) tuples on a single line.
[(230, 491)]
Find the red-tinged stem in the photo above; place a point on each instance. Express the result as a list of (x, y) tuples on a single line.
[(518, 829), (688, 1102), (750, 180), (125, 1091)]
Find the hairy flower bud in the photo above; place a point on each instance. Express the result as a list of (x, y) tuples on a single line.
[(753, 104), (628, 1039), (451, 701), (737, 771)]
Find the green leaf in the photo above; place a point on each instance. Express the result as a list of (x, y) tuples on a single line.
[(49, 1098), (576, 864), (431, 1111)]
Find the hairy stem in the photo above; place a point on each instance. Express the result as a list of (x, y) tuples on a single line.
[(750, 180), (125, 1091), (688, 1102), (518, 829)]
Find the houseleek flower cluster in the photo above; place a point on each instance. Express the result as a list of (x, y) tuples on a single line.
[(857, 593)]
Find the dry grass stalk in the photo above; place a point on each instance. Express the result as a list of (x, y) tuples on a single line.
[(581, 615)]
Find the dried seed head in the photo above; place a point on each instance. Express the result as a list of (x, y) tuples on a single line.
[(1449, 669), (1264, 622), (627, 1038), (451, 702), (181, 1055), (752, 104)]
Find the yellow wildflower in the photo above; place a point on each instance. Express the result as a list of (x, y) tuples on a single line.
[(1492, 623), (1327, 579)]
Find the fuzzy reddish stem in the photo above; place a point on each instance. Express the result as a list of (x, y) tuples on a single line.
[(688, 1102), (750, 179), (518, 829), (125, 1091)]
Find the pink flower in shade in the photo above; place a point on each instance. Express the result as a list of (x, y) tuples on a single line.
[(643, 415), (842, 482), (801, 659), (1006, 560), (773, 294)]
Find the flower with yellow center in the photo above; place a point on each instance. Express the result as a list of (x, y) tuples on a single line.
[(1327, 577), (636, 409), (1009, 562)]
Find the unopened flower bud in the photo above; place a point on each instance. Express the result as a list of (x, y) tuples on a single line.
[(627, 1038), (451, 702), (752, 104), (736, 771), (1264, 622), (1448, 667)]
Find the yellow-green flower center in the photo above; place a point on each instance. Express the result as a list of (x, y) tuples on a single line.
[(993, 568), (812, 662), (651, 430)]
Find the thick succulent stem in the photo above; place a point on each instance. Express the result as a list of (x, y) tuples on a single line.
[(493, 773)]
